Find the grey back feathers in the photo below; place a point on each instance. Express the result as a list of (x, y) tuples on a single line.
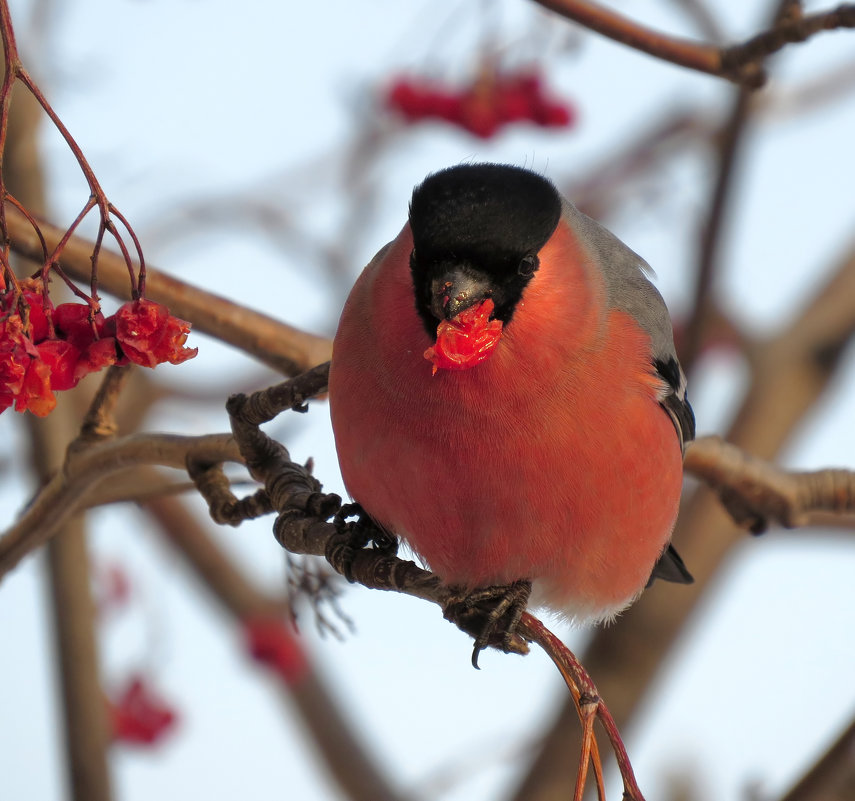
[(628, 289), (627, 286)]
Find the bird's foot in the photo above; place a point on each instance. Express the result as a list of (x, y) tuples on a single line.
[(491, 616), (354, 535)]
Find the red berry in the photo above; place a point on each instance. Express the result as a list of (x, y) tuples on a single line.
[(71, 321), (61, 357), (466, 340)]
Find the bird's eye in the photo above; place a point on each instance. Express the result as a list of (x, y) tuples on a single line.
[(413, 256), (528, 265)]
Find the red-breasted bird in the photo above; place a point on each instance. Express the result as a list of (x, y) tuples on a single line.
[(506, 397)]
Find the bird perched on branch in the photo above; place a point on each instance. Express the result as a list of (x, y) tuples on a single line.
[(506, 397)]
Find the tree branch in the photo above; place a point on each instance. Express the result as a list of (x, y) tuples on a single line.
[(682, 52), (83, 469), (757, 493), (730, 142), (741, 63), (87, 728)]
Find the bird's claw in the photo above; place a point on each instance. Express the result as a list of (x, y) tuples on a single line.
[(353, 536), (491, 616)]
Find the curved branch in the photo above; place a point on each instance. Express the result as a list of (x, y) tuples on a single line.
[(682, 52), (83, 469), (741, 63), (790, 30), (303, 511)]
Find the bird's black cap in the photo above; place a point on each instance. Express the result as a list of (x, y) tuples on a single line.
[(488, 220), (489, 209)]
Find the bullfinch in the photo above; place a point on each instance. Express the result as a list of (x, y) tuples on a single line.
[(506, 397)]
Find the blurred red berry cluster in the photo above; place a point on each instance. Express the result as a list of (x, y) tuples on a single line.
[(139, 715), (493, 100), (46, 348), (271, 643)]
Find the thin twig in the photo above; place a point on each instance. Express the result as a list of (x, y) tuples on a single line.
[(711, 233), (682, 52), (99, 423), (283, 347), (15, 72), (730, 147)]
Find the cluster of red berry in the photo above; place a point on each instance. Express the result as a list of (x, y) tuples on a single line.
[(491, 102), (45, 349), (139, 715)]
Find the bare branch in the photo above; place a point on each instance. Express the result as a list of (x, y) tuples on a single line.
[(757, 493), (141, 486), (742, 63), (793, 28), (682, 52), (83, 469), (87, 727)]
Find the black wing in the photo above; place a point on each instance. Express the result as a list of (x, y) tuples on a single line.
[(674, 399), (670, 567)]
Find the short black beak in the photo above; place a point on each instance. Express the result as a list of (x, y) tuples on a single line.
[(457, 289)]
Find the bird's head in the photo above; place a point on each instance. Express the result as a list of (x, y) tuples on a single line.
[(477, 232)]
